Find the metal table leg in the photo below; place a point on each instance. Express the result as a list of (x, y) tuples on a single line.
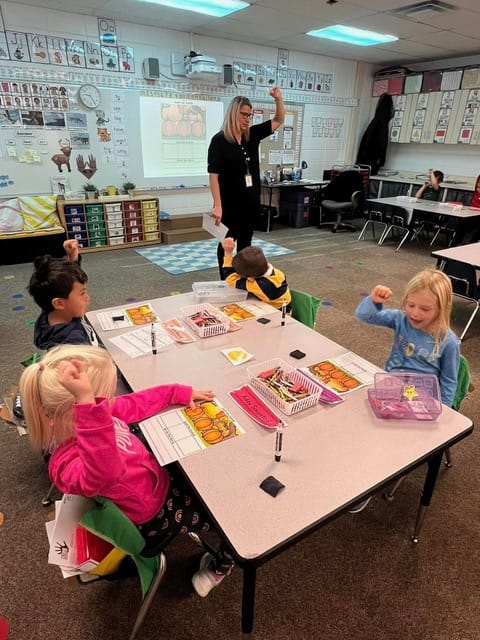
[(427, 491), (248, 598)]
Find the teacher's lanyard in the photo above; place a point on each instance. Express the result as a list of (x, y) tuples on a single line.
[(248, 177)]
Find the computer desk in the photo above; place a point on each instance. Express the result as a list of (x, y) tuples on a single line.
[(333, 456), (314, 185)]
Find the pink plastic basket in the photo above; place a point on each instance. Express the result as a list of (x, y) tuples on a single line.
[(221, 326), (295, 375), (405, 396)]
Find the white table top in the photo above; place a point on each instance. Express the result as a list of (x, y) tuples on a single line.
[(440, 208), (332, 455), (466, 183), (468, 253)]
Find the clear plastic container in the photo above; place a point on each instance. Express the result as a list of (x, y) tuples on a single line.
[(400, 395), (217, 292), (295, 375)]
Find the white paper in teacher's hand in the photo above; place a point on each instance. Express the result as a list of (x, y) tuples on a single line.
[(217, 231)]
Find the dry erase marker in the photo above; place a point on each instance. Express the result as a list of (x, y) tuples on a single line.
[(278, 442), (154, 340), (284, 313)]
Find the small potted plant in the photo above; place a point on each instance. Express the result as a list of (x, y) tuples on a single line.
[(129, 188), (90, 190)]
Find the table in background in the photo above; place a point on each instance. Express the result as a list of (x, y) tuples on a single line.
[(314, 184), (406, 183), (333, 456), (468, 254), (427, 206), (413, 205)]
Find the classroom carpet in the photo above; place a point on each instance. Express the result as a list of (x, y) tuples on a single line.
[(196, 256)]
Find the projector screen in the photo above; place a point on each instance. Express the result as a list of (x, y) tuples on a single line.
[(175, 135)]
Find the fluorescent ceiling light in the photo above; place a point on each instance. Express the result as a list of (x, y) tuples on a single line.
[(216, 8), (351, 35)]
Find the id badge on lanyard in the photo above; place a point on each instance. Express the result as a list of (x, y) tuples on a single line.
[(248, 175)]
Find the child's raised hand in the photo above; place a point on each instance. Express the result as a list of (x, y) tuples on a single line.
[(73, 376), (201, 396), (381, 294), (228, 245), (71, 249)]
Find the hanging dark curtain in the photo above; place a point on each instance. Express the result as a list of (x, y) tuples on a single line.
[(373, 145)]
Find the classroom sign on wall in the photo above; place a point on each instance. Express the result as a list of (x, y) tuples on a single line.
[(63, 52)]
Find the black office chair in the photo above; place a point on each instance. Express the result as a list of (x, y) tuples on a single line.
[(344, 195)]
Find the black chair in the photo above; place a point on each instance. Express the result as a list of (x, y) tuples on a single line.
[(464, 284), (345, 195)]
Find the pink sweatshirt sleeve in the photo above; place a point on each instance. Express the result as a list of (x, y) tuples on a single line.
[(93, 461), (140, 405)]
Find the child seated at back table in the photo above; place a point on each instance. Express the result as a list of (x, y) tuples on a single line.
[(70, 412), (59, 287), (423, 341), (431, 188), (250, 271), (469, 229)]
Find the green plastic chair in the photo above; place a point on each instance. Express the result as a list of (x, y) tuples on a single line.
[(304, 307), (108, 522)]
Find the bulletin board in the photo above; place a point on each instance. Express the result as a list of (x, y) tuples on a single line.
[(283, 147)]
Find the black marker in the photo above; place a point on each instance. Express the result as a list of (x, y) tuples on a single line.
[(278, 442), (284, 313), (154, 340)]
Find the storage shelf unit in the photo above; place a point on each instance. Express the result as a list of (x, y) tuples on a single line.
[(98, 225)]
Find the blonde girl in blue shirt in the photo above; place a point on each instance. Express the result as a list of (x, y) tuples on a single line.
[(423, 341)]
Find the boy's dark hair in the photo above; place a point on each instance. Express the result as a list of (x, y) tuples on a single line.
[(53, 278), (439, 175), (250, 262)]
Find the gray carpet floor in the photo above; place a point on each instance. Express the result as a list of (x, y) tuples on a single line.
[(357, 578)]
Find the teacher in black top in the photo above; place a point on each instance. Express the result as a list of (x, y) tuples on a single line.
[(234, 169)]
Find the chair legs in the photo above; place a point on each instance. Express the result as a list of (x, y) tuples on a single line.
[(147, 601), (390, 229), (372, 222), (389, 494), (47, 500)]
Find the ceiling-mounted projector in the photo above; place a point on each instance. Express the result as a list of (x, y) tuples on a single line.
[(201, 68)]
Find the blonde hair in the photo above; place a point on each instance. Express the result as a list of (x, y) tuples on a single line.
[(47, 405), (440, 286), (230, 122)]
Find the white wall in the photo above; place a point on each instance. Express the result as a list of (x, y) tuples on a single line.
[(452, 159), (319, 152)]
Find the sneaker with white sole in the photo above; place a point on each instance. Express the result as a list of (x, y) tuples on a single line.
[(206, 579), (360, 506)]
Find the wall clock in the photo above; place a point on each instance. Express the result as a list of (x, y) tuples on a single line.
[(89, 96)]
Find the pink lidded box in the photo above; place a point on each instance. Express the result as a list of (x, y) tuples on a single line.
[(402, 395)]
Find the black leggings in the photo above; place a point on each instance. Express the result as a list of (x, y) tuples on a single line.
[(179, 514)]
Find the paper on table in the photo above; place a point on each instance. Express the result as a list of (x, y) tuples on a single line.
[(344, 373), (237, 355), (217, 231), (139, 341), (107, 322), (172, 435)]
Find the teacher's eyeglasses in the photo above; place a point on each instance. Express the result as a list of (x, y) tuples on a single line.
[(246, 115)]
